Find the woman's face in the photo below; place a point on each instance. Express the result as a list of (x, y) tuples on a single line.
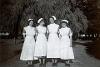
[(30, 23), (42, 23), (51, 20), (63, 25)]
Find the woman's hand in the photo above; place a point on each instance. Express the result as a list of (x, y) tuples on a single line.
[(24, 33), (36, 34), (60, 36)]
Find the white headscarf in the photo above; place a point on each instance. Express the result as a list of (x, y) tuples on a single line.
[(54, 17), (40, 20), (66, 21), (30, 19)]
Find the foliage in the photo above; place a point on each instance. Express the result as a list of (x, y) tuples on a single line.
[(21, 10)]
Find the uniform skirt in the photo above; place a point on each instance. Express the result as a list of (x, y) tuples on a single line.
[(53, 46), (28, 48), (41, 46), (66, 51)]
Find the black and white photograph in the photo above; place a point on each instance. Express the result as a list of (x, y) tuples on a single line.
[(49, 33)]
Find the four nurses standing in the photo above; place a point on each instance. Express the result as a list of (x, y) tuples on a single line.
[(51, 42)]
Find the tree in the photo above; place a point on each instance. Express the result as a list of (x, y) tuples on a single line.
[(62, 9)]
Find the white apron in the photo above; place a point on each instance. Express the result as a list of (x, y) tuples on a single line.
[(66, 51), (53, 41), (29, 44), (41, 42)]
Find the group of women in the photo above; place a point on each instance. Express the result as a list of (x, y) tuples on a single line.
[(53, 41)]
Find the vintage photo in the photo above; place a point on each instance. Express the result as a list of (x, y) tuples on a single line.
[(49, 33)]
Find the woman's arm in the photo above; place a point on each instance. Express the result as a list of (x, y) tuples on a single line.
[(59, 35), (24, 33), (47, 33), (70, 35), (36, 33)]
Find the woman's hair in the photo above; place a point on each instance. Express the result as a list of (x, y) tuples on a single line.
[(65, 23), (34, 23), (41, 21), (57, 22), (52, 18)]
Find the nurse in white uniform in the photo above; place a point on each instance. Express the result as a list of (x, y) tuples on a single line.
[(53, 40), (66, 51), (27, 53), (41, 41)]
